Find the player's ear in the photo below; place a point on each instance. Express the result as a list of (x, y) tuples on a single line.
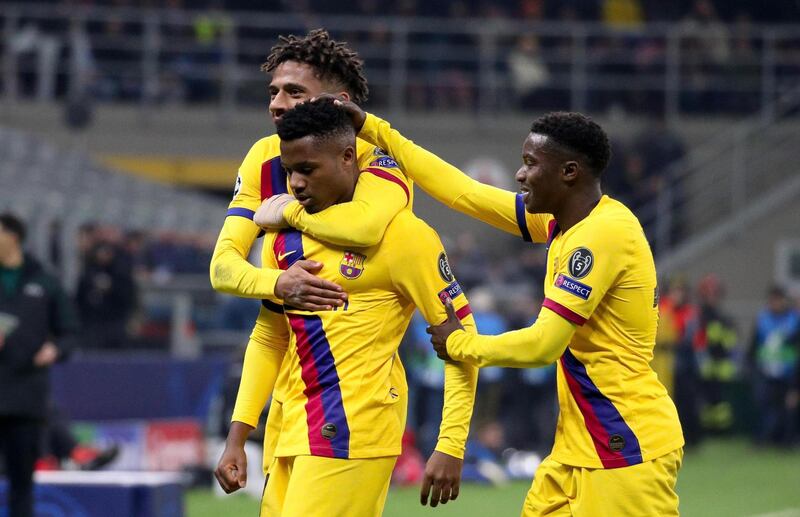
[(344, 95), (349, 155), (570, 171)]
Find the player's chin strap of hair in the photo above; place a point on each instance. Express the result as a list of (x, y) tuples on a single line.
[(538, 345)]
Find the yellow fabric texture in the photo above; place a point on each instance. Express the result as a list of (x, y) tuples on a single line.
[(375, 202), (643, 490), (303, 486), (514, 349), (443, 181), (354, 348), (381, 192), (601, 277)]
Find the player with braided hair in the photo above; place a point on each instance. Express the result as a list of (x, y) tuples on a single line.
[(301, 68)]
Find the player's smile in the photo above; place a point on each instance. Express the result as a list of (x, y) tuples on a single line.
[(292, 83)]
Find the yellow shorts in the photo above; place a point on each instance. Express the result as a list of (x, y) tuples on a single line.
[(272, 430), (646, 489), (303, 486)]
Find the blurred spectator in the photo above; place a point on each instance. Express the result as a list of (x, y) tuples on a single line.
[(744, 70), (773, 361), (426, 384), (529, 74), (490, 381), (715, 342), (482, 458), (675, 361), (706, 48), (35, 41), (36, 325), (62, 451), (622, 14), (532, 401), (106, 296)]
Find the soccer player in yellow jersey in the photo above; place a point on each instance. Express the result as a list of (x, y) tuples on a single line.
[(300, 68), (618, 443), (344, 404)]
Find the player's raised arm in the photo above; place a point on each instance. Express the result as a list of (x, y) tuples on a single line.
[(381, 192), (262, 361), (423, 275), (446, 183)]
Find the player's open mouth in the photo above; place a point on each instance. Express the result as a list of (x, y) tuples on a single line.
[(525, 193)]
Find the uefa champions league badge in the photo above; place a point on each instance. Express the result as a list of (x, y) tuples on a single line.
[(352, 265)]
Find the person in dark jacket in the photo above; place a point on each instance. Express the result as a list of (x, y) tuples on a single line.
[(36, 325)]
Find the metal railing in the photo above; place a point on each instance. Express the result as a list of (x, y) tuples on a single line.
[(162, 56), (725, 178)]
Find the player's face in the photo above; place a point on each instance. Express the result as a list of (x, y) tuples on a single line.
[(293, 83), (539, 177), (321, 173)]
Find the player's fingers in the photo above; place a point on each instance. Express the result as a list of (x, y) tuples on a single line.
[(451, 311), (445, 495), (321, 283), (454, 490), (325, 293), (425, 490), (306, 306), (309, 265), (220, 474), (315, 300), (436, 493), (241, 475)]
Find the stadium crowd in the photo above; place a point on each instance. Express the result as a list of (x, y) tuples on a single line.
[(719, 45)]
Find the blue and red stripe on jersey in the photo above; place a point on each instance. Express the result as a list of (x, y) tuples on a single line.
[(521, 222), (288, 247), (273, 178), (602, 419), (324, 397)]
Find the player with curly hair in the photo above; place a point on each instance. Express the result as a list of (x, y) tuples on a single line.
[(302, 67)]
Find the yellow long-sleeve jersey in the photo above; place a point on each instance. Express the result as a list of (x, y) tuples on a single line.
[(345, 393), (378, 197), (598, 319)]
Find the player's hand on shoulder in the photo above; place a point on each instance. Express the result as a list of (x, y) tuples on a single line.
[(442, 479), (357, 115), (270, 214), (231, 472), (301, 288)]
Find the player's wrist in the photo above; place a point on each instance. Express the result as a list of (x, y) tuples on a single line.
[(451, 450)]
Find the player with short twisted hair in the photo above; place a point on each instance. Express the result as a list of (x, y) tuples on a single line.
[(618, 430), (301, 68), (344, 396), (333, 61)]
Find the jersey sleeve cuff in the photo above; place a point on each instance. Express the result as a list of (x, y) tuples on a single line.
[(455, 342), (450, 449)]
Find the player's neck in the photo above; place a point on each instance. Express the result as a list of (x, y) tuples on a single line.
[(348, 195), (577, 207)]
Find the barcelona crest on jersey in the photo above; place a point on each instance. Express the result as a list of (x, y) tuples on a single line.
[(352, 265)]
